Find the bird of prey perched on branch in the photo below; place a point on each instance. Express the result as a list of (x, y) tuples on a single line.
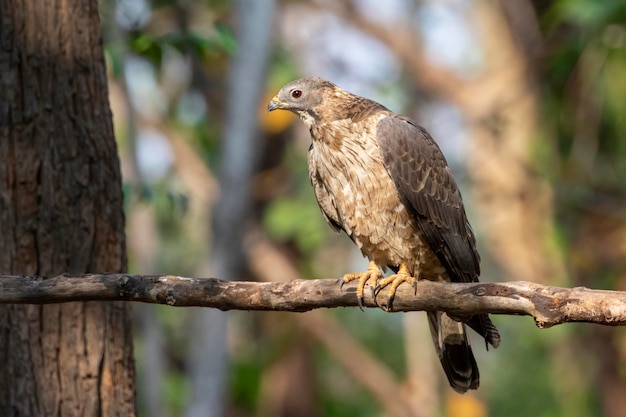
[(382, 179)]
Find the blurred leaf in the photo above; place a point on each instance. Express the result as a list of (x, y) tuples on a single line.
[(282, 70), (145, 45), (587, 12), (614, 88), (115, 59), (176, 391), (244, 384), (226, 39), (199, 44), (295, 219)]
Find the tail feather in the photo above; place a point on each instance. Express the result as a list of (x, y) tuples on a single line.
[(454, 351), (483, 325)]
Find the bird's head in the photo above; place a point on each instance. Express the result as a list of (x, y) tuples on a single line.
[(303, 97)]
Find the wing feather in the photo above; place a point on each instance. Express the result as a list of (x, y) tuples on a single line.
[(426, 186)]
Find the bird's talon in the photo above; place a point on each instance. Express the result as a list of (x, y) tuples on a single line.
[(369, 277), (377, 290)]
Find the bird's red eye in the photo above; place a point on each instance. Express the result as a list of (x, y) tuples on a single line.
[(296, 93)]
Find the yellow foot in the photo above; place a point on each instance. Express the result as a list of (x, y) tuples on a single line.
[(394, 281), (372, 274)]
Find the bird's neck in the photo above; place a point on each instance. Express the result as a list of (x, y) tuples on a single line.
[(309, 117)]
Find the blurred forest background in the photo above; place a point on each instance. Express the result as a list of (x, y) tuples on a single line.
[(526, 99)]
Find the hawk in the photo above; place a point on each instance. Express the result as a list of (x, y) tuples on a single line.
[(382, 179)]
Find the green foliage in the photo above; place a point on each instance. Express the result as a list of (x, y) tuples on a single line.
[(282, 69), (340, 395), (535, 377), (176, 391), (586, 13), (298, 220), (296, 216), (245, 380), (355, 402), (382, 334), (151, 47)]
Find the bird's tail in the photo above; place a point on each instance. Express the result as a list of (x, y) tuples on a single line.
[(454, 351), (483, 325)]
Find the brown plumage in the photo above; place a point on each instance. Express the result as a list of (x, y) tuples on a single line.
[(383, 180)]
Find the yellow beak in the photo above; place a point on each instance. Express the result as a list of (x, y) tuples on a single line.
[(275, 104)]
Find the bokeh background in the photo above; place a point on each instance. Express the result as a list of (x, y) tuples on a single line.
[(526, 99)]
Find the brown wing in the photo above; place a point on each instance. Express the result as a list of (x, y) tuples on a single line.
[(427, 188)]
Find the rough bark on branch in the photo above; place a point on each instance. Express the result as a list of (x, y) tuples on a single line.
[(547, 305)]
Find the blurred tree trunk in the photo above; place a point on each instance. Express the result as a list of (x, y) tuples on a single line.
[(514, 202), (60, 211), (208, 358)]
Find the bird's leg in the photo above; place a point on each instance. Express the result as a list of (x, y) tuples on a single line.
[(394, 281), (373, 273)]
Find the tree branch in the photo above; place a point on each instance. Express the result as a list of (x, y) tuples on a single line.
[(547, 305)]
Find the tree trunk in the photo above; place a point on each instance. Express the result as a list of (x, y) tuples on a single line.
[(60, 211)]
